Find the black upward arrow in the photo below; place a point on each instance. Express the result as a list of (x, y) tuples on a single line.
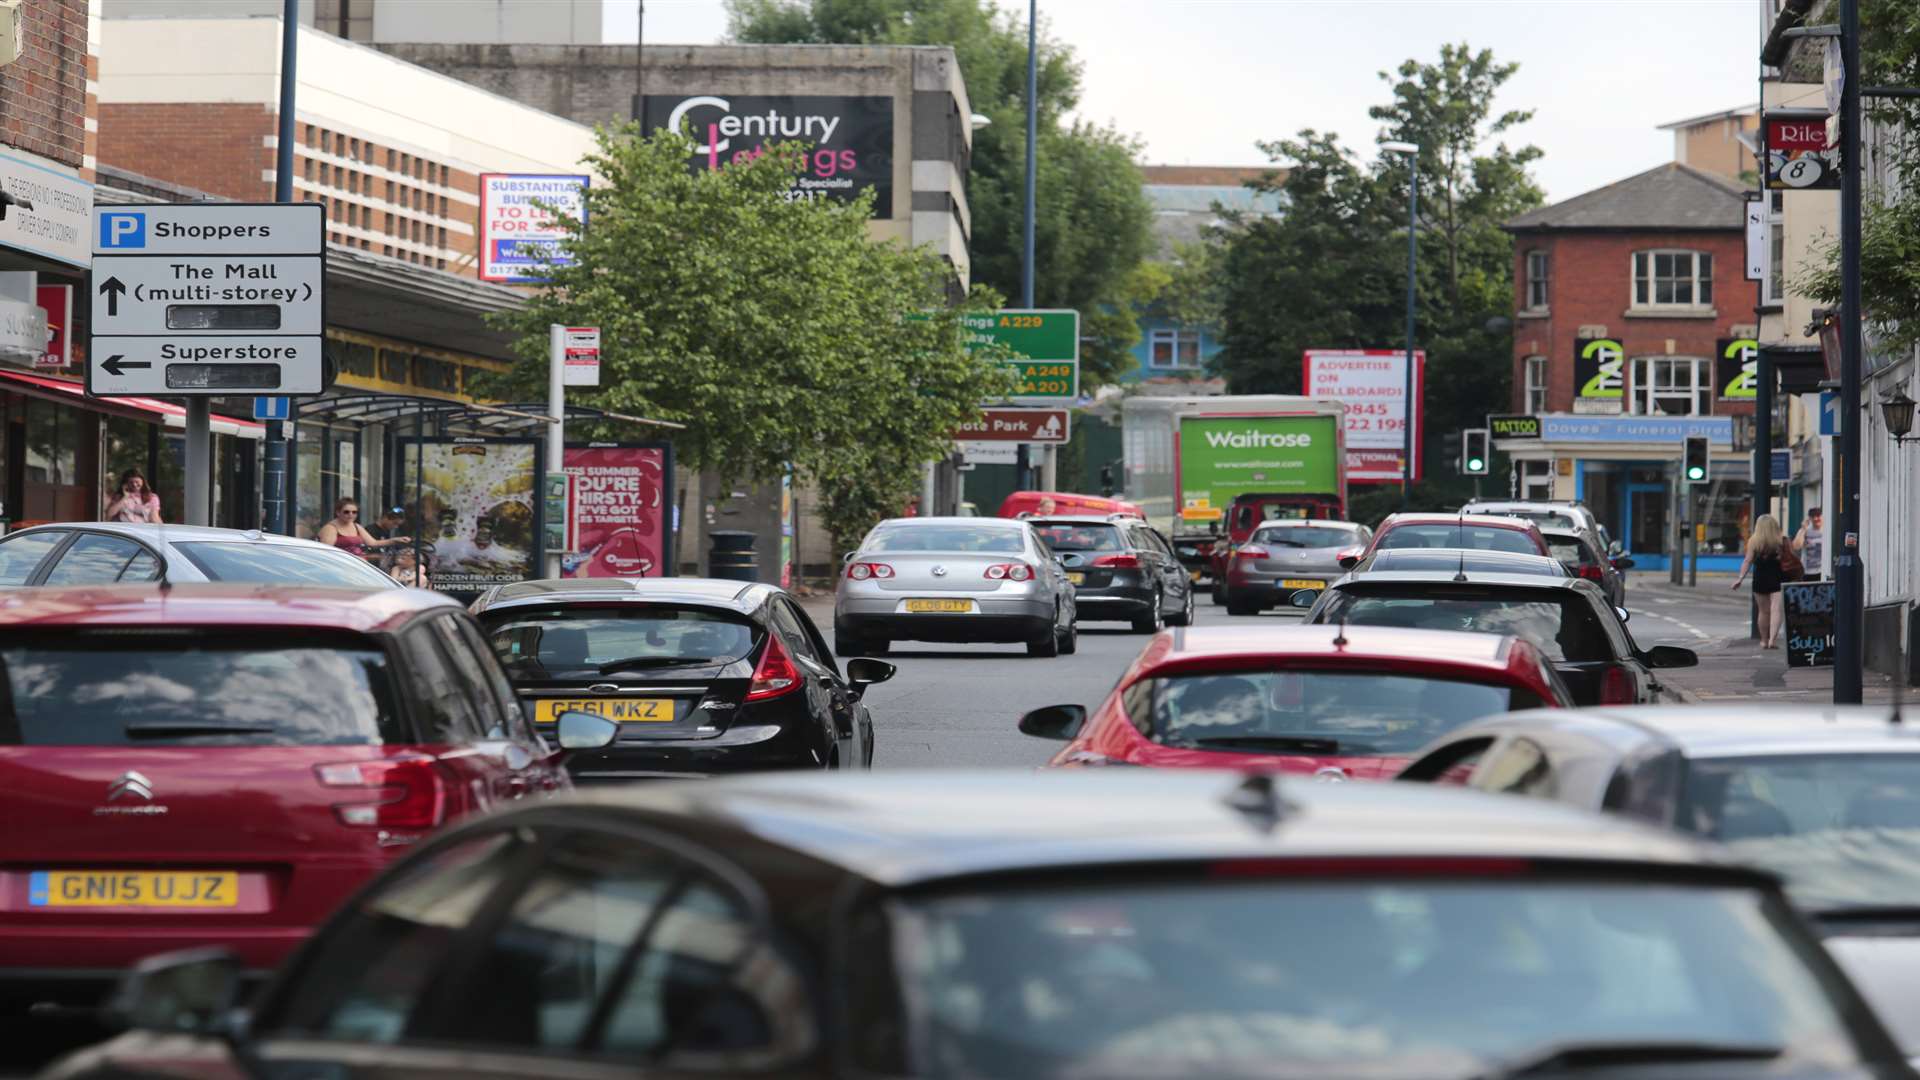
[(117, 363), (113, 288)]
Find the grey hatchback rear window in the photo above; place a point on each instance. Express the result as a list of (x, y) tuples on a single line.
[(947, 538)]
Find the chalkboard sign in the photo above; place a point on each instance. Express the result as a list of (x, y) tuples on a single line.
[(1809, 623)]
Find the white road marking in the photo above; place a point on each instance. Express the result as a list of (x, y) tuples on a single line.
[(1687, 626)]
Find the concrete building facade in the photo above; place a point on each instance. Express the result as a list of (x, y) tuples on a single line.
[(909, 102), (553, 22)]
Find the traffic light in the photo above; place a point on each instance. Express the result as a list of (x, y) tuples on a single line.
[(1475, 452), (1694, 467), (1450, 448)]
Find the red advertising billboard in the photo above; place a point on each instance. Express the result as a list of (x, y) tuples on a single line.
[(622, 507)]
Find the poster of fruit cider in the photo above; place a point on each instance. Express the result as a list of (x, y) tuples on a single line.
[(620, 511), (475, 508)]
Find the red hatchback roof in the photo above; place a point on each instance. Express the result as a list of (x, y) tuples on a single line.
[(1385, 648), (1491, 521), (197, 604)]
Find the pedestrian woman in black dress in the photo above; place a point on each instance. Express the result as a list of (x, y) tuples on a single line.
[(1763, 558)]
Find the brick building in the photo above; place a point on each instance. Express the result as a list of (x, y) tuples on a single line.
[(393, 151), (1633, 326)]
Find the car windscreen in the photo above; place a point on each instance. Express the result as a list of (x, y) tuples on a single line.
[(997, 541), (1842, 829), (1562, 624), (1339, 713), (566, 641), (1306, 536), (191, 688), (1568, 550), (281, 564), (1294, 977), (1065, 536), (1473, 537)]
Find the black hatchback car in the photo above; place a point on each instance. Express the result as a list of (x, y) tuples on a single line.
[(1119, 923), (1584, 637), (1120, 569), (702, 676)]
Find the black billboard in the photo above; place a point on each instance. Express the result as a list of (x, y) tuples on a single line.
[(1513, 425), (849, 139), (1736, 365), (1599, 372)]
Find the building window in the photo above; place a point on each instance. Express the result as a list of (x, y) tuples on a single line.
[(443, 236), (1774, 289), (1166, 348), (1534, 376), (1672, 279), (1670, 385), (389, 159), (353, 146), (1536, 281), (309, 134), (1536, 480), (389, 191), (306, 169), (443, 206)]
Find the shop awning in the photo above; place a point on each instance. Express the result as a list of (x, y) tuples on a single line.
[(69, 392)]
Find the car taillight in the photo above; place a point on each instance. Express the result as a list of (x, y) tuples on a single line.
[(1251, 551), (1592, 572), (775, 674), (861, 571), (403, 793), (1118, 562), (1616, 686), (1010, 571)]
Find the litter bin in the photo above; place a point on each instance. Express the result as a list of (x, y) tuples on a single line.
[(731, 556)]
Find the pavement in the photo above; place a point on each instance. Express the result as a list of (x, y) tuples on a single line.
[(1733, 666)]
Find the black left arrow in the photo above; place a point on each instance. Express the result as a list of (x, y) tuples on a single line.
[(117, 363), (113, 288)]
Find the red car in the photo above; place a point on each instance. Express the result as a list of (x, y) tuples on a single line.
[(1474, 532), (224, 764), (1340, 703)]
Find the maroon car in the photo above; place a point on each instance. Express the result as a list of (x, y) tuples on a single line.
[(225, 764)]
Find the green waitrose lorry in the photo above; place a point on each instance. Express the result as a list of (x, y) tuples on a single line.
[(1209, 470)]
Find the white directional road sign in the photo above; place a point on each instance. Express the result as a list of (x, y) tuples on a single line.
[(208, 299)]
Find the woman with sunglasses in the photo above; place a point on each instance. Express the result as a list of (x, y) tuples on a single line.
[(346, 533), (137, 501)]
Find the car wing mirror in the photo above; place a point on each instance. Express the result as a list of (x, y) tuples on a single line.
[(1624, 614), (586, 731), (1671, 656), (1616, 548), (189, 991), (1303, 598), (865, 672), (1058, 722), (1622, 562), (1348, 558)]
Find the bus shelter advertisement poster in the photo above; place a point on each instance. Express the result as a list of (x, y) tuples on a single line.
[(475, 508), (620, 508), (849, 139)]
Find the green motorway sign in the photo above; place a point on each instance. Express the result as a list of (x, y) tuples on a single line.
[(1046, 344)]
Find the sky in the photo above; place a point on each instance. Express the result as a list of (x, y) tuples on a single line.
[(1199, 82)]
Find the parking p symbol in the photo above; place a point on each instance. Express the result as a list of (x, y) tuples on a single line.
[(123, 230)]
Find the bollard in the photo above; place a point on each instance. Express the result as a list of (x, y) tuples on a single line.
[(731, 556)]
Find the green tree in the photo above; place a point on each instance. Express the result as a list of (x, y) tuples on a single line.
[(1329, 271), (1092, 220), (776, 330)]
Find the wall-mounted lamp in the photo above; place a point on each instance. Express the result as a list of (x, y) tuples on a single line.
[(1898, 413)]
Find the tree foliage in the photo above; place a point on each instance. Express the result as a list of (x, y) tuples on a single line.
[(1329, 271), (1890, 217), (775, 330), (1092, 220)]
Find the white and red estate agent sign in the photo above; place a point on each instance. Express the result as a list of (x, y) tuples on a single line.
[(580, 356), (1373, 384), (622, 503), (518, 234)]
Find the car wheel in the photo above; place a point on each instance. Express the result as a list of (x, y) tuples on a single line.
[(848, 647), (1151, 620), (1218, 593), (1235, 607), (1069, 641), (1183, 617), (877, 647), (1046, 647)]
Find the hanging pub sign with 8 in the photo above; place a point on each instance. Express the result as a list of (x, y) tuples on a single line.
[(1799, 155)]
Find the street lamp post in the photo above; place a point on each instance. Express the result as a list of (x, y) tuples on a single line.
[(1413, 248), (1022, 454)]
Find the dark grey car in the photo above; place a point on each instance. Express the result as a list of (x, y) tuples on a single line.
[(1121, 568), (1116, 923)]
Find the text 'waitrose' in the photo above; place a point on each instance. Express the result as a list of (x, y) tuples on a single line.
[(1248, 440)]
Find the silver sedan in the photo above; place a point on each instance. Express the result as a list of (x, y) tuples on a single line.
[(953, 579), (1285, 556), (103, 553)]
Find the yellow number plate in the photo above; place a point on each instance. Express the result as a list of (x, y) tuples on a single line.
[(623, 710), (134, 888), (940, 605), (1302, 583), (1198, 574), (1076, 578)]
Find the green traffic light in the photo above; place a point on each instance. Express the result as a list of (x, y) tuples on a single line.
[(1695, 472), (1475, 464)]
